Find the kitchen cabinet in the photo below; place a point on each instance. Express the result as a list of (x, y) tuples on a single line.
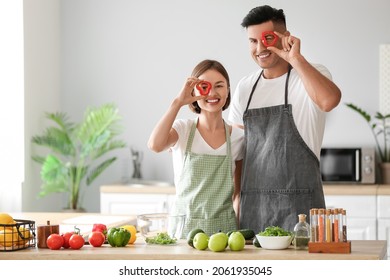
[(136, 199), (361, 214), (383, 200)]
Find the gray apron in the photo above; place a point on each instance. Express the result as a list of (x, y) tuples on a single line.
[(281, 175), (205, 190)]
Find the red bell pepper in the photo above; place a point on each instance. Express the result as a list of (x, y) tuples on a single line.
[(100, 227), (269, 38), (204, 87)]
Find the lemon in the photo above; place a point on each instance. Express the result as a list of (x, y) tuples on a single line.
[(6, 219), (133, 232), (26, 233), (8, 237)]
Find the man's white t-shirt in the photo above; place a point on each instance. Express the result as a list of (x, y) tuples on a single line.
[(308, 118), (200, 146)]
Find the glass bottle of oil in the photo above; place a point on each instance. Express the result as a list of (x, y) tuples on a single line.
[(301, 233)]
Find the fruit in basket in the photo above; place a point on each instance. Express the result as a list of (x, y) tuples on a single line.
[(6, 219), (54, 241), (24, 235), (8, 237), (133, 231)]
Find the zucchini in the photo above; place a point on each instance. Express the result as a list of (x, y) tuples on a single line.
[(249, 234)]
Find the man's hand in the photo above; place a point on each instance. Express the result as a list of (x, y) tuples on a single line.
[(291, 47)]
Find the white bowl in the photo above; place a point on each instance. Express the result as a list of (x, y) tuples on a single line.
[(274, 242), (150, 225)]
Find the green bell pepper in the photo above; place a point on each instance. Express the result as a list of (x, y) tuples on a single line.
[(118, 237)]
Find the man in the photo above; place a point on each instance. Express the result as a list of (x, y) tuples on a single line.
[(282, 108)]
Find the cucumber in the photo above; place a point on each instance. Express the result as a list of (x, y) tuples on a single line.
[(191, 235), (247, 233), (256, 243)]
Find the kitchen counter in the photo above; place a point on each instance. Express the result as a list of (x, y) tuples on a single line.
[(361, 250), (68, 220), (329, 189)]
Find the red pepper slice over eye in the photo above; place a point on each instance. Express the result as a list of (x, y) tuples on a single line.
[(269, 38), (204, 87)]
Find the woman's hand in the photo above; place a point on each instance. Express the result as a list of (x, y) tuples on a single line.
[(187, 95)]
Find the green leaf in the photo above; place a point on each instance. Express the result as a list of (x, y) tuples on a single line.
[(99, 169), (53, 170), (363, 113), (53, 187)]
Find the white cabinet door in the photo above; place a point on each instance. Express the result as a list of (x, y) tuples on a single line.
[(361, 229), (384, 220), (361, 214), (384, 233), (133, 204)]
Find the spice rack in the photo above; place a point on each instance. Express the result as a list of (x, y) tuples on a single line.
[(328, 231), (330, 247)]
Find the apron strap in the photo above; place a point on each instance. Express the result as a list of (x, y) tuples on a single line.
[(192, 135), (286, 87)]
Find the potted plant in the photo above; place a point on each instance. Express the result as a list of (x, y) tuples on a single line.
[(76, 151), (380, 128)]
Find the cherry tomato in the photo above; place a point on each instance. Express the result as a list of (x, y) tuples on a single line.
[(96, 238), (54, 241), (76, 241), (66, 237)]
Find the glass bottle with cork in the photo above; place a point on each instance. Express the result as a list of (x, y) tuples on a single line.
[(301, 233)]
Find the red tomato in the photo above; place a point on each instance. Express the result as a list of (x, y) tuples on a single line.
[(76, 241), (96, 238), (54, 241), (66, 237)]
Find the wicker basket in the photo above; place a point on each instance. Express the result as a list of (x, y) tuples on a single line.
[(17, 236)]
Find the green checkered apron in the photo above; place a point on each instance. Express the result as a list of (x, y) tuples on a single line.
[(205, 189)]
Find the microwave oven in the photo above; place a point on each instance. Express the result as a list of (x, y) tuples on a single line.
[(348, 165)]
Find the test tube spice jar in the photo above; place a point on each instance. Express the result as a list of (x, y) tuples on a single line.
[(328, 231)]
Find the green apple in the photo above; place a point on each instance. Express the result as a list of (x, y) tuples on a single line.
[(201, 241), (236, 241), (191, 235), (218, 242)]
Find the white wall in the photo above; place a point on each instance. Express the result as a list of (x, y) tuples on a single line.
[(12, 114), (42, 89), (138, 53)]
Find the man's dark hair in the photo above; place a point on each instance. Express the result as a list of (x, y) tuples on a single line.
[(263, 14)]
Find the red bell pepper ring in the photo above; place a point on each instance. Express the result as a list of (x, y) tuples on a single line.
[(269, 38), (204, 87), (100, 227)]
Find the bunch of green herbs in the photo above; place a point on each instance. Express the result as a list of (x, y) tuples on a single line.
[(161, 238)]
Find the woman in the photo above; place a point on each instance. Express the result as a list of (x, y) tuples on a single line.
[(206, 152)]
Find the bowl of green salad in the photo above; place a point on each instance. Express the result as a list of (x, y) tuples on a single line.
[(161, 228), (274, 238)]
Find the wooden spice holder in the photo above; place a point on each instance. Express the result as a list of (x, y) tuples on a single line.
[(330, 247)]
